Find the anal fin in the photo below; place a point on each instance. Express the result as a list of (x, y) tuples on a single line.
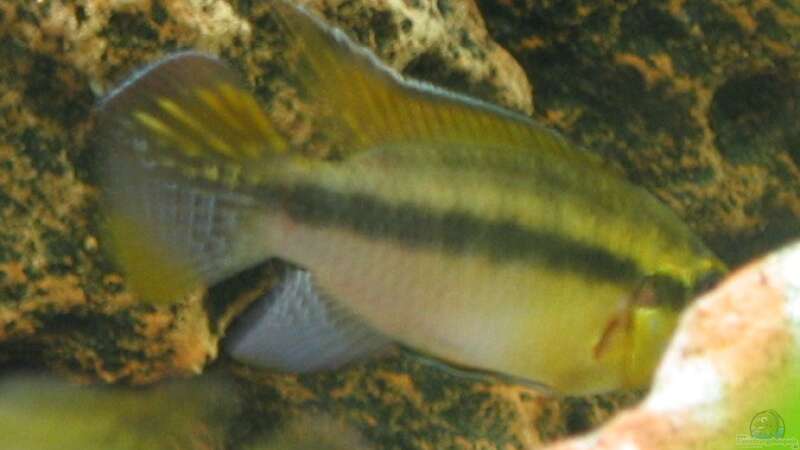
[(297, 328)]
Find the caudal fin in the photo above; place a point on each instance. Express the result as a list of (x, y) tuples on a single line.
[(173, 141)]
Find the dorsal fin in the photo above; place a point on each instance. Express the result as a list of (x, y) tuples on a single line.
[(377, 106)]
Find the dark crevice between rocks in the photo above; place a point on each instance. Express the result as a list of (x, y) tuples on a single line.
[(768, 25), (432, 68), (582, 414), (21, 356), (754, 116), (780, 228), (647, 28), (158, 13), (370, 27), (80, 14), (71, 333), (719, 28), (127, 29), (578, 416), (262, 410), (135, 36), (47, 91), (383, 27)]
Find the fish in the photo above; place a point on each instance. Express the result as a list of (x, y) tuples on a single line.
[(452, 226), (42, 412)]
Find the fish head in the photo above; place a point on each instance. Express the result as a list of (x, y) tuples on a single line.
[(649, 333), (652, 315), (635, 338)]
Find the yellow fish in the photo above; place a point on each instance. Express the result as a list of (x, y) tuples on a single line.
[(455, 227), (42, 413)]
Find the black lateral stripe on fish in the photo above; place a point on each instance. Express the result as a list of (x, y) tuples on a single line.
[(452, 231), (454, 227)]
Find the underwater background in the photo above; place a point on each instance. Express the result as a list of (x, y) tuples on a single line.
[(695, 100)]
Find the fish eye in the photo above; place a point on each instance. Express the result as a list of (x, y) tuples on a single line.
[(663, 290)]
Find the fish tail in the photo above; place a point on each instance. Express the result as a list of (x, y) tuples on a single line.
[(173, 142), (170, 234)]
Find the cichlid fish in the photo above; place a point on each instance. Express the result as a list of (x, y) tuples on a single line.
[(43, 413), (455, 227)]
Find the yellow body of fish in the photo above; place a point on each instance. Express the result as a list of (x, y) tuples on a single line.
[(452, 226), (38, 413)]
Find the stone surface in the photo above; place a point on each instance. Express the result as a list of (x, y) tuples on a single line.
[(694, 100)]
